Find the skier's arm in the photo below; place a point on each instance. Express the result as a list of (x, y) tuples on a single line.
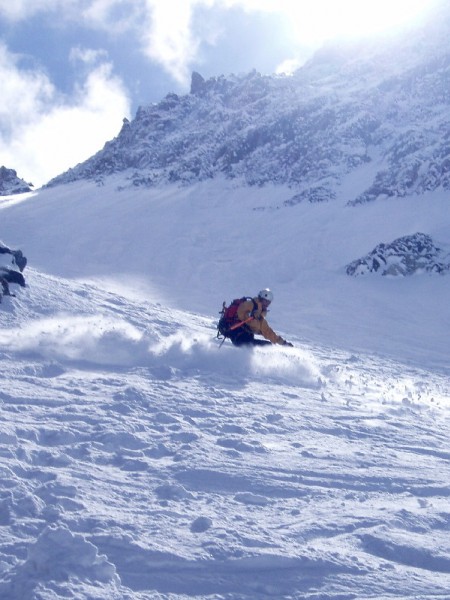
[(269, 333), (261, 326), (258, 324)]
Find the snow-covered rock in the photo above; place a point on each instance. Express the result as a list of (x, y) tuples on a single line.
[(11, 184), (12, 264), (407, 255)]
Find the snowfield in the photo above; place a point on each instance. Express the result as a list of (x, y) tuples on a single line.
[(139, 460)]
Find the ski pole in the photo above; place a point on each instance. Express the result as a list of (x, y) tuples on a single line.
[(236, 325)]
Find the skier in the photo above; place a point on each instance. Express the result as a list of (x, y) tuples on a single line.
[(250, 319)]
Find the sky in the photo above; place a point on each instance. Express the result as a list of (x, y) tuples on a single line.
[(72, 70)]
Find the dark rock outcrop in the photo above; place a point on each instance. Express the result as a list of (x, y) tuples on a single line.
[(12, 264)]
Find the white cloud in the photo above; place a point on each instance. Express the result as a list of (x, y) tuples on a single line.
[(43, 133), (87, 55), (288, 66), (171, 38), (23, 92), (20, 9), (168, 38), (325, 19), (113, 16), (166, 30)]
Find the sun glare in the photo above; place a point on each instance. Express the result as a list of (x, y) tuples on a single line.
[(326, 19)]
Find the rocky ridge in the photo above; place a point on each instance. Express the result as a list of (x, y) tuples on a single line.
[(408, 255), (10, 183), (349, 107)]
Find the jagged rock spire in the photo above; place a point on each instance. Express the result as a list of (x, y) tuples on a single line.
[(197, 83)]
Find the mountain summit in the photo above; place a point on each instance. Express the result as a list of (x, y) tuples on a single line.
[(378, 107)]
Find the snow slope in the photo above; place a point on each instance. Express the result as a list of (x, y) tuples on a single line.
[(194, 247), (140, 461)]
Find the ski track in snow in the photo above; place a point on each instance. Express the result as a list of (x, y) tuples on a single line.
[(140, 461)]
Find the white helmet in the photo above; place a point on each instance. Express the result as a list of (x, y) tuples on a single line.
[(266, 294)]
